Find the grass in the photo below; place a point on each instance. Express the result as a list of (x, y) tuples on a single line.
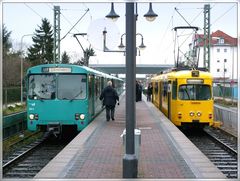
[(19, 140), (14, 108)]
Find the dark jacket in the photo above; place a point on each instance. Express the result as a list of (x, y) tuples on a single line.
[(109, 96)]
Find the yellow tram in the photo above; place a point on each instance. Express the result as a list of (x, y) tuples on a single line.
[(185, 97)]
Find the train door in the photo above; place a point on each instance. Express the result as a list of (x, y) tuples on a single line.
[(169, 96), (91, 96)]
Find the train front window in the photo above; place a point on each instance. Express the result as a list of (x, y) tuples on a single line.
[(194, 92), (72, 87), (42, 86)]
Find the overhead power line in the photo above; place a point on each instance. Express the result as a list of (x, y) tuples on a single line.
[(75, 24), (222, 15), (33, 10)]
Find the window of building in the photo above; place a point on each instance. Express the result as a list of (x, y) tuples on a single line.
[(221, 41), (225, 50), (225, 60), (218, 50), (218, 61), (218, 70), (225, 70)]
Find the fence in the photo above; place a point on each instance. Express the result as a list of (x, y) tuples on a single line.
[(228, 117), (11, 95), (225, 91)]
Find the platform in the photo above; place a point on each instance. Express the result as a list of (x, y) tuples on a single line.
[(97, 152)]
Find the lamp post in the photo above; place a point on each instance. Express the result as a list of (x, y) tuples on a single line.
[(130, 162), (140, 47), (21, 49), (224, 82), (121, 46)]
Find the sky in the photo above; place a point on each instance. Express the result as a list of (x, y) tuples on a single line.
[(24, 17)]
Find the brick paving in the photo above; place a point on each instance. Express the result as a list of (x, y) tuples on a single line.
[(101, 156), (159, 158), (97, 152)]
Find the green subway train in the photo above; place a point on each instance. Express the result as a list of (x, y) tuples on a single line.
[(63, 95)]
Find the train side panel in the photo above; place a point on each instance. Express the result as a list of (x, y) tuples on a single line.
[(184, 98)]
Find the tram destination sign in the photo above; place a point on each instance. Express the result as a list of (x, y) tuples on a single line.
[(56, 69)]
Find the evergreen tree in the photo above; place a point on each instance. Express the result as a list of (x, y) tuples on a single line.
[(65, 58), (88, 52), (42, 50), (7, 44)]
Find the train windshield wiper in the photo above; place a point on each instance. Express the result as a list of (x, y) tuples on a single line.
[(80, 92)]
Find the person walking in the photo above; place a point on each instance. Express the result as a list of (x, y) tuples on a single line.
[(149, 92), (110, 97)]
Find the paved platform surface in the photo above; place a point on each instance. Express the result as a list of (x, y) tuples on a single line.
[(97, 152)]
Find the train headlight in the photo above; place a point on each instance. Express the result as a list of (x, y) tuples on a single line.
[(82, 116), (77, 116), (36, 116), (179, 115), (210, 115), (199, 114), (31, 116), (191, 114)]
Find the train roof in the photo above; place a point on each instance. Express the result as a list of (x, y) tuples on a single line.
[(183, 74), (74, 68)]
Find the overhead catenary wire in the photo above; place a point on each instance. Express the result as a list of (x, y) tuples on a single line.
[(222, 15), (33, 10), (75, 24)]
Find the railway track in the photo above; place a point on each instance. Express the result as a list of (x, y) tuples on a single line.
[(27, 162), (219, 147)]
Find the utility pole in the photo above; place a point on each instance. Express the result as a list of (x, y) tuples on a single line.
[(56, 27), (207, 38)]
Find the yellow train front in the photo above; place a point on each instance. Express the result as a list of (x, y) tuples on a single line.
[(185, 97)]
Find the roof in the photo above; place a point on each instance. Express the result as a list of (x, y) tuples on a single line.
[(182, 74), (215, 36)]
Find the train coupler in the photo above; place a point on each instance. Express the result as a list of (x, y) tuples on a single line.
[(217, 124), (55, 129)]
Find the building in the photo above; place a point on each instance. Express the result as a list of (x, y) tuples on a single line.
[(223, 56)]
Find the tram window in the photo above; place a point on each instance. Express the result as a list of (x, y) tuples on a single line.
[(42, 86), (194, 92), (72, 86), (156, 88), (174, 90)]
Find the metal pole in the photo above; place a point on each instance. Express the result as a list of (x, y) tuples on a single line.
[(21, 72), (130, 162), (21, 49)]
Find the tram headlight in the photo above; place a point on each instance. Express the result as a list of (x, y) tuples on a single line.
[(191, 114), (79, 116), (199, 114), (179, 115), (76, 116), (210, 115), (31, 116), (82, 116), (36, 116)]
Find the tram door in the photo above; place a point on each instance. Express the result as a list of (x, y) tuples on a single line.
[(91, 96), (169, 95)]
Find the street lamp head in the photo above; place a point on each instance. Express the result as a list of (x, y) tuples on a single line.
[(142, 46), (150, 15), (121, 46), (112, 15)]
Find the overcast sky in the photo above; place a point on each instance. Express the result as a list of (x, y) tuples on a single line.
[(24, 17)]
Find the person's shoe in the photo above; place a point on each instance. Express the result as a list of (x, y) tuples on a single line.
[(107, 120), (113, 119)]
